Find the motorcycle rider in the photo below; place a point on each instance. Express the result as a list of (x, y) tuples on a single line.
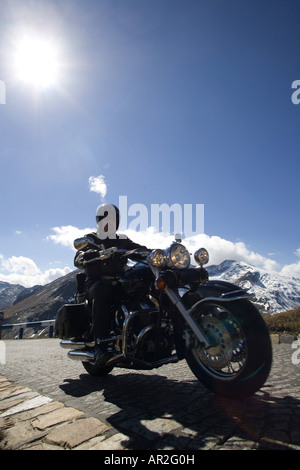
[(102, 276)]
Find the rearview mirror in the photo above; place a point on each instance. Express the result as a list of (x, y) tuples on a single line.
[(83, 242)]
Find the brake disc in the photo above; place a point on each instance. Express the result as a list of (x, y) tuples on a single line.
[(219, 355)]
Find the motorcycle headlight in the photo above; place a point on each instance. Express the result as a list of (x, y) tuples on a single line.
[(158, 258), (178, 256), (201, 256)]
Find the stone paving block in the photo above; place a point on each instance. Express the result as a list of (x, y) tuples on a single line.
[(26, 394), (9, 403), (12, 391), (118, 441), (172, 442), (4, 384), (20, 397), (236, 442), (160, 425), (210, 442), (268, 420), (39, 446), (19, 434), (56, 417), (39, 411), (150, 429), (35, 402), (72, 434), (33, 413), (91, 444)]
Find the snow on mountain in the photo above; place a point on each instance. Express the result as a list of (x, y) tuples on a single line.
[(273, 293), (43, 302), (9, 293)]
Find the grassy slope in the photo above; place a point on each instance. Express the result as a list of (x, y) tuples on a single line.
[(288, 322)]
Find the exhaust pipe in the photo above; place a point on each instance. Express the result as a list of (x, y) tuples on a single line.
[(69, 344), (82, 356)]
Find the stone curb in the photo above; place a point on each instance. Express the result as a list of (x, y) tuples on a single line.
[(29, 421)]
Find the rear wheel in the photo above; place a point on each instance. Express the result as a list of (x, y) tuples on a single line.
[(239, 359), (97, 371)]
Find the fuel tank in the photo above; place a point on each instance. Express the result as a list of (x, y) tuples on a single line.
[(137, 280)]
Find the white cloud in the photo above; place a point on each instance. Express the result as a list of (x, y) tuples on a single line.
[(20, 265), (66, 234), (219, 249), (97, 185), (292, 270), (24, 271)]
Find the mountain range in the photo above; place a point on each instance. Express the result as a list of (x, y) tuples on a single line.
[(36, 303), (273, 293), (13, 293)]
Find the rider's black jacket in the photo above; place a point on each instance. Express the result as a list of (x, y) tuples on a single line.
[(113, 266)]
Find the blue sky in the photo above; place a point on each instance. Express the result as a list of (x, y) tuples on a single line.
[(171, 101)]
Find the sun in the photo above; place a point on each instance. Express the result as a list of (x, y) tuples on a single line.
[(36, 62)]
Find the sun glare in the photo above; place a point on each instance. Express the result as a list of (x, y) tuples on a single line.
[(36, 62)]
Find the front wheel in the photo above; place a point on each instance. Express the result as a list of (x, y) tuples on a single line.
[(239, 359)]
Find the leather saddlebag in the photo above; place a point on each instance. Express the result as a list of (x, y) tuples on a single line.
[(72, 321)]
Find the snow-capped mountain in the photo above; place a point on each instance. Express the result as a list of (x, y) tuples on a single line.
[(42, 303), (9, 293), (273, 293)]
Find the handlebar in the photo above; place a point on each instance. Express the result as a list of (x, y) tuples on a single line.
[(105, 254)]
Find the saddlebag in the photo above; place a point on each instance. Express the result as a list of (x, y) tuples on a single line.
[(72, 321)]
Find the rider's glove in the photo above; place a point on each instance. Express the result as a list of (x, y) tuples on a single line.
[(90, 254), (82, 256)]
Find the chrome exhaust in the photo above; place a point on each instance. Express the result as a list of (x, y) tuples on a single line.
[(82, 356), (69, 344)]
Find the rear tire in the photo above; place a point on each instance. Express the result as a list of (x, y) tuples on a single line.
[(239, 362), (97, 371)]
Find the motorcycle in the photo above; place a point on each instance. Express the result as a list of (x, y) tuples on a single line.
[(165, 311)]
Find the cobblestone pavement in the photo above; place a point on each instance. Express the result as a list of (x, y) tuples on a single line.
[(163, 409)]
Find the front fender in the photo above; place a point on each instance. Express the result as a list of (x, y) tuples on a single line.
[(215, 290)]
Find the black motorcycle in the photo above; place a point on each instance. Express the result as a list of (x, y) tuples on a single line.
[(165, 311)]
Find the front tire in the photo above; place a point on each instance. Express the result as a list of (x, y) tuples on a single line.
[(239, 360)]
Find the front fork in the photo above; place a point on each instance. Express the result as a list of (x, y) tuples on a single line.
[(177, 302), (186, 314), (175, 298)]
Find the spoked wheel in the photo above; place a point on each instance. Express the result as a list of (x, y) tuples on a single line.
[(239, 359)]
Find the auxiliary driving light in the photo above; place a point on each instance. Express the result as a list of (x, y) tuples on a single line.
[(201, 256)]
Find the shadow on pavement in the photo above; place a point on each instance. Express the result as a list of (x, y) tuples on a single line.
[(156, 412)]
